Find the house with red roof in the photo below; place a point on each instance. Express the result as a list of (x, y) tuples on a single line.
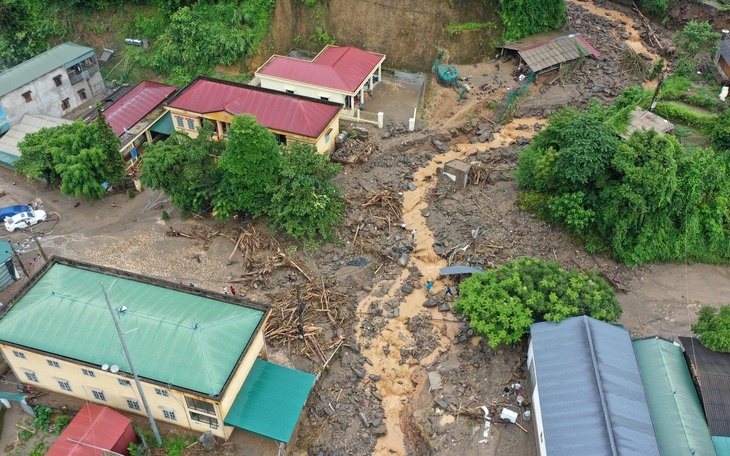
[(289, 117), (95, 431), (342, 74), (137, 115)]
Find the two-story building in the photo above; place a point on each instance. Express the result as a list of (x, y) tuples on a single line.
[(289, 117), (51, 83), (344, 74), (200, 356)]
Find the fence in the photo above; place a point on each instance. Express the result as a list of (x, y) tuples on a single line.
[(362, 116)]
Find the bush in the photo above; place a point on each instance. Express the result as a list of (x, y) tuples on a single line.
[(713, 328), (522, 18), (502, 303)]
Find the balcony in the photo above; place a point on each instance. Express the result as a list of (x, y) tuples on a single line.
[(82, 73)]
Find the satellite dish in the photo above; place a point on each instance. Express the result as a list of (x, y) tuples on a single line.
[(105, 367), (114, 369)]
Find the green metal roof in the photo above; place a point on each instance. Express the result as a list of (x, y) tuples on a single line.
[(164, 125), (181, 336), (63, 55), (676, 413), (270, 401), (722, 445)]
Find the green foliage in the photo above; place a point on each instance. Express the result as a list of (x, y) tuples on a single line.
[(25, 26), (250, 165), (655, 8), (713, 327), (305, 202), (522, 18), (455, 29), (656, 68), (720, 135), (39, 449), (322, 38), (183, 169), (42, 417), (502, 303), (60, 422), (81, 156), (137, 449), (695, 41), (178, 443), (165, 215), (644, 199)]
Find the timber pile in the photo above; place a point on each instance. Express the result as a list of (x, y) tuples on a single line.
[(382, 203), (480, 173), (351, 152), (321, 314), (633, 64)]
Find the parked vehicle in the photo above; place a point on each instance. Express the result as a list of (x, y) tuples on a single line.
[(24, 220), (10, 211)]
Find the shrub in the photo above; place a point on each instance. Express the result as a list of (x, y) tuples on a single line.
[(713, 327)]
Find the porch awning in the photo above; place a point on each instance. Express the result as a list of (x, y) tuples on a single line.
[(164, 124), (270, 401)]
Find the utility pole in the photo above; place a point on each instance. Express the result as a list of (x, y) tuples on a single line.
[(20, 260), (131, 367), (300, 326), (656, 93), (35, 238)]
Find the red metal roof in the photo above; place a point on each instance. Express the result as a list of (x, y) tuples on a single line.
[(95, 425), (274, 110), (136, 104), (336, 67)]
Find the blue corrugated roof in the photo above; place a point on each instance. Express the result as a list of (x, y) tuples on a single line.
[(30, 70), (679, 421), (722, 445), (592, 401)]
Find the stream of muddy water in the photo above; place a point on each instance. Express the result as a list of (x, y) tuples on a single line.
[(396, 386)]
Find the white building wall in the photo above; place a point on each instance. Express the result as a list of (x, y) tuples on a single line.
[(47, 98), (536, 410), (301, 89)]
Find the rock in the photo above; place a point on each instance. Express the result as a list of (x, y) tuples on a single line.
[(355, 347), (523, 141), (624, 35), (403, 260), (408, 177), (470, 152), (379, 431), (445, 307), (404, 352), (474, 140), (359, 371), (407, 289), (396, 312), (367, 288), (484, 137), (438, 250), (430, 303), (636, 26), (376, 422), (411, 186), (443, 404), (375, 378), (597, 88)]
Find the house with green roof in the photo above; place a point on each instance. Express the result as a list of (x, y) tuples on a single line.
[(678, 418), (200, 355), (52, 83)]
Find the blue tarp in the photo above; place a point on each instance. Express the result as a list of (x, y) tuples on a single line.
[(451, 270)]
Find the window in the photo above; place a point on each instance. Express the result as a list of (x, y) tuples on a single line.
[(325, 98), (134, 405), (209, 420), (124, 382), (201, 406), (191, 124), (27, 96), (19, 354), (64, 385), (65, 104), (88, 373), (169, 414), (31, 376), (162, 392), (82, 94), (58, 80), (53, 363), (327, 135), (289, 91), (99, 395), (179, 121)]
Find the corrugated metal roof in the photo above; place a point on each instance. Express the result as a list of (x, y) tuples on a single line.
[(182, 336), (679, 421), (31, 123), (641, 119), (713, 376), (724, 49), (342, 68), (270, 401), (722, 445), (272, 109), (98, 426), (532, 40), (164, 125), (136, 104), (592, 400), (551, 53), (6, 251), (41, 64)]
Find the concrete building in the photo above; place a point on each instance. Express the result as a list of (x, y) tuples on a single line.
[(288, 117), (30, 123), (200, 355), (51, 83), (587, 394), (343, 74)]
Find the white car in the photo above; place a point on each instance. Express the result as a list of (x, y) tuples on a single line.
[(24, 220)]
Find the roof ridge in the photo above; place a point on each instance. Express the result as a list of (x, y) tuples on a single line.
[(601, 393)]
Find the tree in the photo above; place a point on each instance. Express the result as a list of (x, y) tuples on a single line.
[(37, 152), (713, 327), (112, 169), (695, 41), (184, 169), (502, 303), (305, 202), (720, 135), (522, 18), (250, 165)]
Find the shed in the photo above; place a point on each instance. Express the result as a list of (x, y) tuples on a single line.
[(8, 273), (711, 372), (679, 421), (549, 50), (641, 119), (587, 395), (458, 171), (94, 429)]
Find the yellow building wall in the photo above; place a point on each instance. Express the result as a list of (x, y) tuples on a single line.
[(116, 394)]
